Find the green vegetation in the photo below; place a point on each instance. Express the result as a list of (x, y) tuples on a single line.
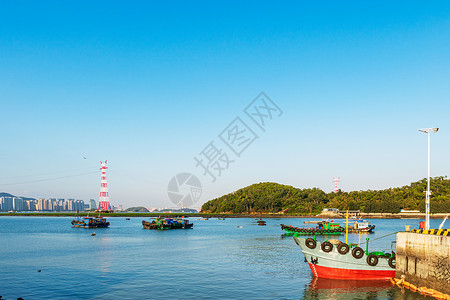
[(271, 197), (137, 209)]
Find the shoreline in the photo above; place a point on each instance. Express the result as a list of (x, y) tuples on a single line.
[(226, 215)]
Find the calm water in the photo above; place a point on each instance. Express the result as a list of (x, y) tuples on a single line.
[(215, 260)]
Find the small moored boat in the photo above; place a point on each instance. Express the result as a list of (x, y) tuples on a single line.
[(90, 222), (360, 226), (322, 228), (167, 223)]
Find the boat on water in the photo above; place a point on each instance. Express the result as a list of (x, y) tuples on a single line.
[(167, 223), (90, 222), (336, 260), (322, 228), (360, 226), (329, 228)]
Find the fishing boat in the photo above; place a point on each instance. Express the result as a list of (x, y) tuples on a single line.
[(90, 222), (336, 260), (360, 226), (167, 223), (322, 228)]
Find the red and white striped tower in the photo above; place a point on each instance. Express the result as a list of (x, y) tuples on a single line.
[(103, 203), (336, 180)]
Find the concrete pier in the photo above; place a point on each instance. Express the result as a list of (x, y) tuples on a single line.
[(424, 259)]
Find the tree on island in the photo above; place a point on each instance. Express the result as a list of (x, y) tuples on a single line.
[(137, 209)]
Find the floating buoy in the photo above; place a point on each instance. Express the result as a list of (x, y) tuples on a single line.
[(400, 281), (421, 290), (38, 270)]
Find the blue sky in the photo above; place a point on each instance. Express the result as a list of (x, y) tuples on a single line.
[(148, 85)]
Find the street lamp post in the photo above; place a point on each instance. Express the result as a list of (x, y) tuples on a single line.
[(428, 131)]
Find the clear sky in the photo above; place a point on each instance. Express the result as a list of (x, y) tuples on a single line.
[(148, 85)]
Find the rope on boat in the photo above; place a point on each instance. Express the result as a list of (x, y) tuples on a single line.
[(381, 237)]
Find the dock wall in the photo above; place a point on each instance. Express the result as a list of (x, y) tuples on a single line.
[(424, 259)]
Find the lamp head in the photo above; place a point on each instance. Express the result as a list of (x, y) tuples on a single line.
[(428, 130)]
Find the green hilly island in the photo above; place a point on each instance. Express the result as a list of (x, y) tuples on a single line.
[(270, 197), (137, 209)]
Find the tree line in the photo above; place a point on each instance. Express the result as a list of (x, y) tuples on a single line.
[(270, 197)]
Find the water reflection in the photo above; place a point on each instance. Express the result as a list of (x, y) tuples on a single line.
[(321, 288)]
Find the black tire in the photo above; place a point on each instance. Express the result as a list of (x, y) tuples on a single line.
[(326, 247), (372, 260), (391, 262), (357, 252), (343, 248), (310, 243)]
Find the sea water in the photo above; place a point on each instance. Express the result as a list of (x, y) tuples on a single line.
[(45, 258)]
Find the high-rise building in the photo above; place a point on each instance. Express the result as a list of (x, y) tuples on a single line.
[(17, 203), (40, 204), (29, 205), (70, 204), (7, 203), (92, 204), (79, 205), (46, 204)]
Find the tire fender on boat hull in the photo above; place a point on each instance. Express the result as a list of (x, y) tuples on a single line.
[(391, 262), (326, 247), (343, 248), (310, 243), (372, 260), (357, 252)]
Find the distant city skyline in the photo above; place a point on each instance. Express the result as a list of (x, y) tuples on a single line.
[(161, 89), (42, 204)]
